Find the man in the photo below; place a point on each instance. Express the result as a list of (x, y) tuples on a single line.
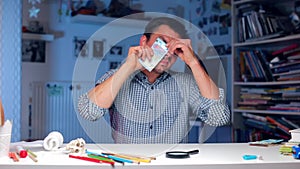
[(156, 106)]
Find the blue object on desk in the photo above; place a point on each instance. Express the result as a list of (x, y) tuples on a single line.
[(296, 151), (249, 157)]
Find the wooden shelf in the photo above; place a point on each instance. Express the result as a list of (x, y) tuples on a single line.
[(275, 40), (267, 112), (35, 36), (266, 83), (91, 19)]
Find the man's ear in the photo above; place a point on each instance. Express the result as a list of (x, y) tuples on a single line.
[(143, 40)]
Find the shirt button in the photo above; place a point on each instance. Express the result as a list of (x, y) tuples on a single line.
[(152, 87), (151, 126)]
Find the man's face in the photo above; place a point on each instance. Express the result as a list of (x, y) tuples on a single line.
[(167, 34)]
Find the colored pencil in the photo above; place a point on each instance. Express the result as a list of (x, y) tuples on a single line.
[(33, 158), (91, 159), (129, 157), (30, 152), (100, 155)]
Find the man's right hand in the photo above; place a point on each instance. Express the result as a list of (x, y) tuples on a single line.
[(138, 52)]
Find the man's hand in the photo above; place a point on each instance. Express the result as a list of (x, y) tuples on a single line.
[(138, 52), (183, 49)]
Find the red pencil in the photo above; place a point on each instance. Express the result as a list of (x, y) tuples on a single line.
[(91, 159)]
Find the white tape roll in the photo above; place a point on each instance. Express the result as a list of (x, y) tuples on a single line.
[(53, 141)]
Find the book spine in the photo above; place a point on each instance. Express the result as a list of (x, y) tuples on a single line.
[(280, 126)]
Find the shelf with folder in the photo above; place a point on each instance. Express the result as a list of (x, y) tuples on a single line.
[(266, 112), (97, 20), (268, 41), (35, 36), (265, 83), (265, 66)]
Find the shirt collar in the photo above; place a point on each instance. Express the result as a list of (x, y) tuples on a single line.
[(140, 76)]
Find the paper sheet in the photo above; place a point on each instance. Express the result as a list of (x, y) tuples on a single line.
[(5, 136)]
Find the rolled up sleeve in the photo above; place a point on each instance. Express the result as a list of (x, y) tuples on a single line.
[(89, 110), (214, 112)]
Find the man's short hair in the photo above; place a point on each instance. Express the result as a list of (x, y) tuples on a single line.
[(174, 24)]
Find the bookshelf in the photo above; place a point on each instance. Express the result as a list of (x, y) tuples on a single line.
[(265, 70)]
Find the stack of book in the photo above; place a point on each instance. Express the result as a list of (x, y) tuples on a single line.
[(285, 64), (258, 22), (282, 98), (268, 127), (254, 66), (282, 64)]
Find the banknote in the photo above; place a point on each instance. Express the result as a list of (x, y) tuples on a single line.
[(160, 50)]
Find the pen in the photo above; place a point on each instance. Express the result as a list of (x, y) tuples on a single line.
[(90, 159)]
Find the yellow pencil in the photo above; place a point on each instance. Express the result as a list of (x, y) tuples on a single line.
[(133, 158), (30, 152), (139, 156), (32, 157)]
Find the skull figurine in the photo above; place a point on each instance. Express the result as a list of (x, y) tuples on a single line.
[(76, 146)]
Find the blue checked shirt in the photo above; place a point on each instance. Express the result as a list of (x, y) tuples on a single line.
[(159, 112)]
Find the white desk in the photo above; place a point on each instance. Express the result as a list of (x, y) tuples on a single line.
[(221, 156)]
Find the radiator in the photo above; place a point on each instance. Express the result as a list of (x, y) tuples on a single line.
[(53, 108)]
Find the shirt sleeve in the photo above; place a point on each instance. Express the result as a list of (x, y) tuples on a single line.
[(210, 111), (88, 109)]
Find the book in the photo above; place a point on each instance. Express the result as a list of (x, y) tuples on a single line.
[(267, 142), (288, 63), (295, 135), (294, 57), (292, 51), (287, 73), (287, 68), (285, 49), (260, 125), (262, 56), (253, 116), (290, 122), (279, 125)]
